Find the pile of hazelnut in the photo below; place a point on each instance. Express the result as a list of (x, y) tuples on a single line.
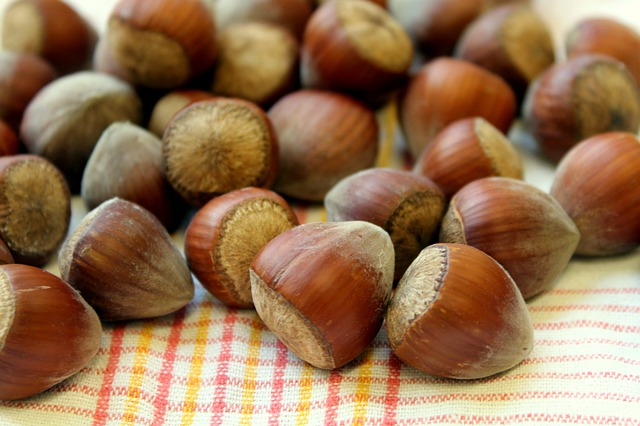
[(222, 115)]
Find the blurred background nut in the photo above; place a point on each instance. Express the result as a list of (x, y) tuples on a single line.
[(161, 44), (127, 163), (66, 118), (51, 29), (22, 75)]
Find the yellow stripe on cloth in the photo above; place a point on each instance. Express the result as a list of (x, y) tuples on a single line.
[(194, 379), (137, 373), (306, 391), (251, 373), (363, 390)]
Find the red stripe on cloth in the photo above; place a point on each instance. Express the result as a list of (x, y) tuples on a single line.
[(102, 406), (222, 367), (333, 397), (603, 325), (275, 407), (393, 390), (583, 291), (585, 307), (167, 368), (529, 418)]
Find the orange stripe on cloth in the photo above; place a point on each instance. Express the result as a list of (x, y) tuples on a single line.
[(251, 373), (194, 379), (137, 374), (306, 391)]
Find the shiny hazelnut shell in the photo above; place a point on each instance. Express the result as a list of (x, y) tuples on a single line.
[(520, 226), (462, 90), (125, 264), (597, 184), (323, 288), (227, 232), (457, 313), (47, 331), (406, 205)]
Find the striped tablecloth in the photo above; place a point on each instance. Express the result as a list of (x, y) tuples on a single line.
[(208, 364)]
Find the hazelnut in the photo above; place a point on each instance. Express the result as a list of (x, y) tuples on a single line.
[(127, 163), (291, 15), (51, 29), (215, 146), (5, 254), (466, 150), (606, 36), (225, 235), (445, 90), (581, 97), (511, 40), (170, 104), (406, 205), (124, 263), (434, 25), (65, 119), (22, 75), (596, 182), (457, 313), (35, 208), (323, 137), (322, 289), (161, 44), (256, 61), (9, 144), (47, 331), (519, 225), (355, 47)]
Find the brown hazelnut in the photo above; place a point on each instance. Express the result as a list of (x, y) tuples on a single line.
[(596, 182), (215, 146), (607, 36), (406, 205), (161, 44), (65, 119), (445, 90), (22, 75), (51, 29), (35, 208), (47, 331), (519, 225), (9, 144), (355, 47), (323, 137), (466, 150), (127, 163), (256, 61), (323, 288), (581, 97), (168, 106), (457, 313), (226, 234), (124, 263), (512, 41)]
